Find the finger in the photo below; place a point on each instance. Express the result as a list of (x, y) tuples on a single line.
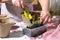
[(22, 4), (18, 4), (40, 20), (50, 20), (46, 20), (43, 18)]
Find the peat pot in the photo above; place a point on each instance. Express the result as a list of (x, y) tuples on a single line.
[(5, 25), (36, 29)]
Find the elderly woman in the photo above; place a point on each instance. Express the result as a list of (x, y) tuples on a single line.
[(47, 5)]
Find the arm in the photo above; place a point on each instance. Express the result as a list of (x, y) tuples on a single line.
[(3, 1), (45, 15), (44, 5)]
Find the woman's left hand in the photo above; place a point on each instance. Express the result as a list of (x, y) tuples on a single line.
[(18, 3)]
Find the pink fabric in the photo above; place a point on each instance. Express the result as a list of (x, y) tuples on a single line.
[(53, 32)]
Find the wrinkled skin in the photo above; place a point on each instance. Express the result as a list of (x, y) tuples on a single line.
[(45, 17)]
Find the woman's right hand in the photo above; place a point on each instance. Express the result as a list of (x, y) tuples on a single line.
[(18, 3), (45, 17)]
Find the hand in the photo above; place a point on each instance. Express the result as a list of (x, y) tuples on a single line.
[(45, 17), (18, 3)]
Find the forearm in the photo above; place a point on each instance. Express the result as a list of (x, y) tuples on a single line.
[(44, 4), (3, 1)]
